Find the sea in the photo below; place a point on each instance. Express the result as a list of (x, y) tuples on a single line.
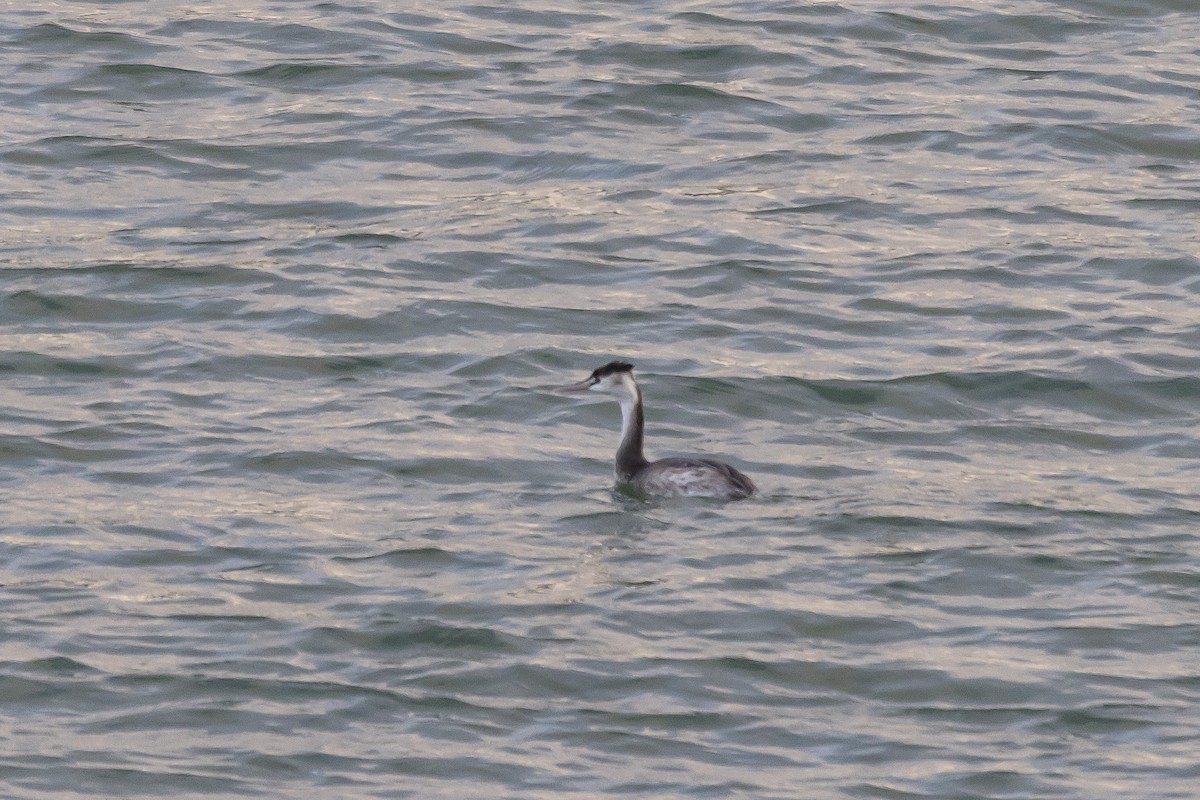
[(289, 508)]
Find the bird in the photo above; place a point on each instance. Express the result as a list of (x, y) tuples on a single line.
[(667, 477)]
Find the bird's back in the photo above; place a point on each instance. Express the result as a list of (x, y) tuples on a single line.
[(693, 477)]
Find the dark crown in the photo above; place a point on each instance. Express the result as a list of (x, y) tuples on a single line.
[(611, 367)]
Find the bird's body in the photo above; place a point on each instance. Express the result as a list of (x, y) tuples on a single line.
[(693, 477), (678, 477)]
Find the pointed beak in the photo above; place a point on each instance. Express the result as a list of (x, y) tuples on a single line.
[(582, 386)]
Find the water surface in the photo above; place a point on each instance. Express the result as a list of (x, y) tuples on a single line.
[(287, 505)]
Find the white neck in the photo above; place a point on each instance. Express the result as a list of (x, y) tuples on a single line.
[(630, 458)]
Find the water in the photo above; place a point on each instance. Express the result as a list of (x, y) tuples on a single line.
[(288, 510)]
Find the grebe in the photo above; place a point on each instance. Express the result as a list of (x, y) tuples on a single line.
[(679, 477)]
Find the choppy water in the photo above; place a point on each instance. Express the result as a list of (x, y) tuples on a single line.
[(287, 509)]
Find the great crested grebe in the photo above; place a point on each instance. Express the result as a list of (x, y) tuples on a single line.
[(679, 477)]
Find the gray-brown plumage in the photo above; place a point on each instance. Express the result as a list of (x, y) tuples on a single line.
[(680, 477)]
